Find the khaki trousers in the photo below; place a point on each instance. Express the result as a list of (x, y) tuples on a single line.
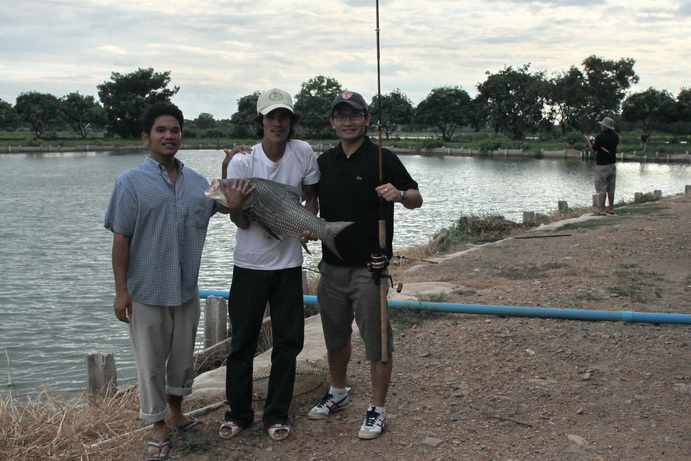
[(163, 339)]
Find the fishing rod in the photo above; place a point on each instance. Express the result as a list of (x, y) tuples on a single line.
[(416, 259), (379, 262)]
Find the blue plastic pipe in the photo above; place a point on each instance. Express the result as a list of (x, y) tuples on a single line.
[(515, 311)]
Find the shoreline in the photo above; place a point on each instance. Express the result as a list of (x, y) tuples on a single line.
[(567, 154)]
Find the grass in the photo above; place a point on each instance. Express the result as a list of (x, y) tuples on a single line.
[(405, 318), (10, 382), (639, 276), (633, 292), (483, 228), (528, 271), (48, 428), (67, 140), (623, 211), (482, 141), (588, 297)]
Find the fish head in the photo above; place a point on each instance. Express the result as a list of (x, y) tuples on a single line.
[(215, 192)]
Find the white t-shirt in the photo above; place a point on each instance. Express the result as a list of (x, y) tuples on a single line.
[(254, 247)]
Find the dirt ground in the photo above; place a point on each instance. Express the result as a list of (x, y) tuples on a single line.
[(481, 387)]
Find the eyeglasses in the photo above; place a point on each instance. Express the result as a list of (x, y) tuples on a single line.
[(354, 116)]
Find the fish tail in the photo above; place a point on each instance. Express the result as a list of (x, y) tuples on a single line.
[(332, 230)]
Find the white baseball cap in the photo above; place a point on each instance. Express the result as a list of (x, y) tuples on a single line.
[(274, 99)]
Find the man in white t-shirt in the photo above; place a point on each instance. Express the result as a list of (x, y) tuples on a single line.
[(266, 269)]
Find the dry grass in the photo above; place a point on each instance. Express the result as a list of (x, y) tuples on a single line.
[(46, 427), (49, 428)]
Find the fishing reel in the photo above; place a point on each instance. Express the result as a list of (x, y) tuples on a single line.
[(377, 265)]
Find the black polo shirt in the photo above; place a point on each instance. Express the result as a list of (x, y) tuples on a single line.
[(346, 193), (609, 140)]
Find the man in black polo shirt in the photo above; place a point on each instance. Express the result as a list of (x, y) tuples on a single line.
[(605, 148), (350, 190)]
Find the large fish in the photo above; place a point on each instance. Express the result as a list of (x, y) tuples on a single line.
[(277, 208)]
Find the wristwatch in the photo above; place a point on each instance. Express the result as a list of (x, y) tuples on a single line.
[(404, 195)]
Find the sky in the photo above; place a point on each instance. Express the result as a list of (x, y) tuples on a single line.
[(219, 51)]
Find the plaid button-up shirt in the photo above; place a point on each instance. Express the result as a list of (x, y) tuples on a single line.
[(167, 226)]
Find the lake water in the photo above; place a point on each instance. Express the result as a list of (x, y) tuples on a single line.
[(56, 288)]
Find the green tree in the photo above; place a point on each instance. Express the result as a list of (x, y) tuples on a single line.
[(607, 83), (577, 98), (81, 112), (568, 101), (243, 119), (314, 103), (8, 116), (683, 106), (205, 121), (650, 109), (126, 97), (513, 101), (445, 109), (396, 110), (39, 110)]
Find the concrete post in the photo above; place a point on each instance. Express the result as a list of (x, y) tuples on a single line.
[(529, 218), (100, 374), (657, 193), (563, 206), (215, 321), (596, 200), (637, 196), (468, 223), (688, 189)]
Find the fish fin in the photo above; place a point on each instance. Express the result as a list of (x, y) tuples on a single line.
[(304, 245), (271, 233), (332, 230)]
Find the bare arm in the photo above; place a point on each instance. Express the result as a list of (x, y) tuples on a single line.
[(121, 257), (239, 219), (391, 194), (589, 141), (230, 153), (309, 193)]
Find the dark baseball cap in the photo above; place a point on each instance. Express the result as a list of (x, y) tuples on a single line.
[(352, 98)]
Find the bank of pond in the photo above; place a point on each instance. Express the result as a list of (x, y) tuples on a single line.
[(576, 154)]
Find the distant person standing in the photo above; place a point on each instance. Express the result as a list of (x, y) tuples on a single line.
[(644, 141), (158, 214), (605, 148)]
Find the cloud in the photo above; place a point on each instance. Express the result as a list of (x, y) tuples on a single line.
[(219, 51)]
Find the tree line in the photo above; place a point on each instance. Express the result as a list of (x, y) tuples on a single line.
[(515, 102)]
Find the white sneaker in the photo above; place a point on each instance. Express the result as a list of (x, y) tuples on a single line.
[(328, 405), (375, 424)]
